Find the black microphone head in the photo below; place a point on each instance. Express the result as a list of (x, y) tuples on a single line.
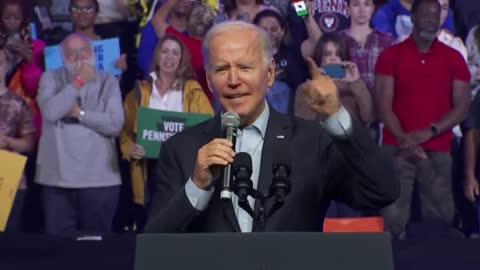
[(242, 160), (281, 157), (230, 119)]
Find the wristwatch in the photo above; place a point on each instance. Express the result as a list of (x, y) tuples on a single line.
[(434, 129), (82, 113)]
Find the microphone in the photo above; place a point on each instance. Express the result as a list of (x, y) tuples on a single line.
[(281, 185), (242, 170), (230, 123), (243, 185)]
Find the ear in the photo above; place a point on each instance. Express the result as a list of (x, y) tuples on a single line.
[(209, 84), (271, 72)]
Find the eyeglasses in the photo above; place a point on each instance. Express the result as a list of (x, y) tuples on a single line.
[(86, 10)]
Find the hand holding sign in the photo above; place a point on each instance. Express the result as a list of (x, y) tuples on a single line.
[(121, 63), (136, 151)]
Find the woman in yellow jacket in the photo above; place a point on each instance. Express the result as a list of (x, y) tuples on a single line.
[(170, 88)]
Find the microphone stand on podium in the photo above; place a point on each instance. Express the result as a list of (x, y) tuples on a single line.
[(243, 187), (303, 250)]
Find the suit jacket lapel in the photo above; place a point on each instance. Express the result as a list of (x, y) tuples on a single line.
[(214, 130), (278, 134)]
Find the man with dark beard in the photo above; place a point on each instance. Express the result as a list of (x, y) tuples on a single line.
[(77, 161), (422, 86)]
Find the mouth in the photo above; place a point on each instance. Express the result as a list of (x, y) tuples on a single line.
[(235, 96), (168, 64)]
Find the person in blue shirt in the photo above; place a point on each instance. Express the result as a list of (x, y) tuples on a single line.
[(394, 18)]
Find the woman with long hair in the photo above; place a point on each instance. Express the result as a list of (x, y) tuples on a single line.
[(353, 93), (171, 87)]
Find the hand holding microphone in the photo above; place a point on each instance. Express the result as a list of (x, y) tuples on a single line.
[(217, 154)]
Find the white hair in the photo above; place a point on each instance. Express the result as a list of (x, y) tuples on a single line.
[(266, 49), (75, 35)]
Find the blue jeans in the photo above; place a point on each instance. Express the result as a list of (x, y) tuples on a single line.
[(79, 211)]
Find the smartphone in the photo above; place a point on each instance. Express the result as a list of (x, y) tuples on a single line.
[(335, 71), (300, 7)]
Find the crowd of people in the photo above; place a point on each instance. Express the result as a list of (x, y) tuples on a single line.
[(411, 71)]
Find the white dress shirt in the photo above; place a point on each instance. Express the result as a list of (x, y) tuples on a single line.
[(172, 100)]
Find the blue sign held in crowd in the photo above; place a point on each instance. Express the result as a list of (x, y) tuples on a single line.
[(107, 52)]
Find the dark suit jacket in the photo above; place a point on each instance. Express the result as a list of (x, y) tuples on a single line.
[(352, 170)]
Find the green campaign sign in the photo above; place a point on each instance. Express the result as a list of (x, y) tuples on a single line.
[(155, 127)]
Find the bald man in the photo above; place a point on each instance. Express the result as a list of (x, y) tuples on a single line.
[(77, 161)]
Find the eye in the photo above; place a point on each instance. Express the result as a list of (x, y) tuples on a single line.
[(245, 67), (221, 69)]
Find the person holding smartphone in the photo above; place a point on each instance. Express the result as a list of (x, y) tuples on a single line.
[(24, 55), (331, 55)]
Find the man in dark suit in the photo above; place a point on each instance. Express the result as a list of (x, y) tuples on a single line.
[(334, 159)]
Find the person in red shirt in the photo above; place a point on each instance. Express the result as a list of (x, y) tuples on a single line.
[(199, 22), (423, 92)]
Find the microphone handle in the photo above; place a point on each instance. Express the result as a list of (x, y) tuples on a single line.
[(230, 134)]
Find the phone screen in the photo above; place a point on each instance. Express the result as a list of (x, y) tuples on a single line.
[(300, 7), (334, 71)]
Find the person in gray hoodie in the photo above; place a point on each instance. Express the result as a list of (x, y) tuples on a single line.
[(77, 162)]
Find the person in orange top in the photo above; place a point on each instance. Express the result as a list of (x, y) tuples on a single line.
[(171, 87)]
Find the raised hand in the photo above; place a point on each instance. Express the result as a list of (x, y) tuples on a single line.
[(321, 93)]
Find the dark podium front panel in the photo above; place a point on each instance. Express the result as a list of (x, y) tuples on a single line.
[(264, 251)]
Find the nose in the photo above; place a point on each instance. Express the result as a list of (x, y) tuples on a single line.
[(233, 79), (78, 57)]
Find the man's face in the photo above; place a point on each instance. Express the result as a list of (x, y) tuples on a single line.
[(77, 51), (183, 7), (83, 13), (238, 74), (426, 20)]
